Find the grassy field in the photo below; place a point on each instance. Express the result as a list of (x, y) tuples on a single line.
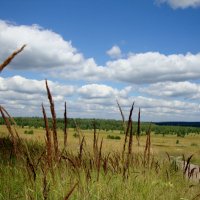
[(175, 146), (88, 177)]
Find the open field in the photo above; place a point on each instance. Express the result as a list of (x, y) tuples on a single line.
[(175, 146), (64, 181)]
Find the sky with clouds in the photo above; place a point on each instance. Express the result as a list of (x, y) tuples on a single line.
[(94, 52)]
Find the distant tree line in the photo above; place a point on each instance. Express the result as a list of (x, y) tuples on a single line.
[(84, 124), (191, 124), (109, 125)]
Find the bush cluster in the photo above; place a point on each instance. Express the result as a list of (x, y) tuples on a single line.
[(113, 137), (29, 132)]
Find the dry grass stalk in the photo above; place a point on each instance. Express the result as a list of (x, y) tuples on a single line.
[(147, 147), (70, 192), (81, 149), (95, 139), (138, 129), (99, 160), (53, 113), (9, 127), (187, 165), (123, 118), (127, 130), (129, 155), (30, 166), (12, 120), (46, 186), (105, 164), (48, 138), (65, 126), (130, 139), (9, 59), (196, 197), (78, 131), (121, 112)]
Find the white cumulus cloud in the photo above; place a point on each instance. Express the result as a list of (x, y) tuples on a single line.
[(45, 48), (152, 67), (181, 3), (184, 89), (102, 91), (114, 52), (24, 96), (30, 86)]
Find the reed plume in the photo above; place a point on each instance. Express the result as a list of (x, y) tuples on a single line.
[(9, 59), (147, 146), (127, 130), (53, 113), (138, 129), (9, 127)]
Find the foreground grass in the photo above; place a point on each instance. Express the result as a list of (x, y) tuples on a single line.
[(140, 186), (159, 180)]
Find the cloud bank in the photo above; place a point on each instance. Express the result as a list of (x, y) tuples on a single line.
[(23, 97), (155, 67), (162, 85), (49, 53)]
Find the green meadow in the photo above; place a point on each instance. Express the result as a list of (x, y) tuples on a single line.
[(95, 170)]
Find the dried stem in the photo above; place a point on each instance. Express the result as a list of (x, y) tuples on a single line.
[(148, 146), (70, 192), (81, 149), (9, 59), (53, 113), (99, 159), (48, 137), (121, 112), (130, 139), (94, 139), (9, 127), (127, 130), (65, 126), (138, 129)]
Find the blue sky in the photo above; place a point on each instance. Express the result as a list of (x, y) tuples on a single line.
[(97, 51)]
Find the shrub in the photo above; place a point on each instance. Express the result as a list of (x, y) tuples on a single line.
[(180, 135), (29, 132), (75, 134), (194, 144), (177, 141), (113, 137)]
